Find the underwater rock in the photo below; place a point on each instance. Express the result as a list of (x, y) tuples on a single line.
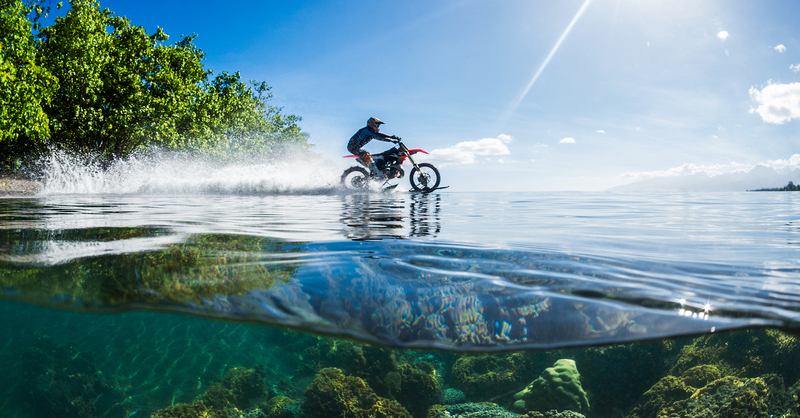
[(470, 410), (59, 381), (451, 396), (558, 387), (615, 377), (416, 390), (671, 389), (553, 414), (485, 376), (240, 388), (746, 353), (372, 364), (701, 392), (278, 407), (332, 394), (193, 410), (414, 387)]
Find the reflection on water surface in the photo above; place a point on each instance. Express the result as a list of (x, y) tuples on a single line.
[(405, 269)]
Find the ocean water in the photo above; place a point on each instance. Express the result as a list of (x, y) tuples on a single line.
[(123, 304)]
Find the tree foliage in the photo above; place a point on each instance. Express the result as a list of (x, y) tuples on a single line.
[(25, 86), (94, 82)]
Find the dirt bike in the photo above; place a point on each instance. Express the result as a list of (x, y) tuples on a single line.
[(424, 177)]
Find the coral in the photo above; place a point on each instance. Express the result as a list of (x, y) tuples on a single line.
[(470, 410), (558, 387), (451, 396), (194, 410), (746, 353), (277, 407), (417, 390), (240, 387), (553, 414), (671, 389), (702, 392), (794, 396), (371, 364), (616, 376), (334, 394), (485, 376), (731, 397)]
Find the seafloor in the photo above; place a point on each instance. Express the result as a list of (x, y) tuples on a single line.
[(65, 364)]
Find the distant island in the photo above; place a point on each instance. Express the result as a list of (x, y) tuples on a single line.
[(755, 179), (791, 187)]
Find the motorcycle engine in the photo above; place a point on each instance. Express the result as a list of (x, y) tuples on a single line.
[(395, 171)]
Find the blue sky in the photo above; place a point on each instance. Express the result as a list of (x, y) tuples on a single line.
[(637, 88)]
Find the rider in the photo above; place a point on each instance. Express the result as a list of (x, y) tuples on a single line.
[(362, 137)]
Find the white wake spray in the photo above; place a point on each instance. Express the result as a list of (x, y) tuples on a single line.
[(172, 173)]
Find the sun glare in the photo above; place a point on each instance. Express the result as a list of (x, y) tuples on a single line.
[(515, 104)]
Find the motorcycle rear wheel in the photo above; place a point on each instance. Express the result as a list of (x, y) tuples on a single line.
[(426, 179), (355, 178)]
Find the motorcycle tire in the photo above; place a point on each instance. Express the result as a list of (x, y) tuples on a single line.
[(355, 178), (426, 179)]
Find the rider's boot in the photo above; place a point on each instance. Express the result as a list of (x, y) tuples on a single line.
[(374, 170)]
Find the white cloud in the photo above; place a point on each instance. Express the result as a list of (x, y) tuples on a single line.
[(790, 164), (648, 44), (778, 103), (567, 140), (727, 54), (505, 138), (714, 136), (600, 131), (780, 48), (723, 35), (467, 151), (795, 67)]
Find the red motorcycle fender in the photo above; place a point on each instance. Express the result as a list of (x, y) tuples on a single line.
[(414, 151)]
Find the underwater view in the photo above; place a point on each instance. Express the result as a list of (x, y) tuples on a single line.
[(223, 299), (416, 209)]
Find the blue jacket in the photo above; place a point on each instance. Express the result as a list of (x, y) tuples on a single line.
[(362, 137)]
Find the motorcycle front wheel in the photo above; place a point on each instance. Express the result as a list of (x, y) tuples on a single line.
[(426, 179), (355, 178)]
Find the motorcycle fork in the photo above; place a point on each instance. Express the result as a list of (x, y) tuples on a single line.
[(421, 176)]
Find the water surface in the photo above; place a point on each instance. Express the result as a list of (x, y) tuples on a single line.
[(453, 271)]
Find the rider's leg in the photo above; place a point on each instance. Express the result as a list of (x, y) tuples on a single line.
[(367, 158)]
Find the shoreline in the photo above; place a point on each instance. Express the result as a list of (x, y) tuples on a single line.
[(15, 187)]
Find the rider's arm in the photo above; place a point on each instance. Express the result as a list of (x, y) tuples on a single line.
[(387, 138)]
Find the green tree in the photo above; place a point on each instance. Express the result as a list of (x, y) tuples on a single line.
[(25, 86), (76, 49), (234, 118)]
